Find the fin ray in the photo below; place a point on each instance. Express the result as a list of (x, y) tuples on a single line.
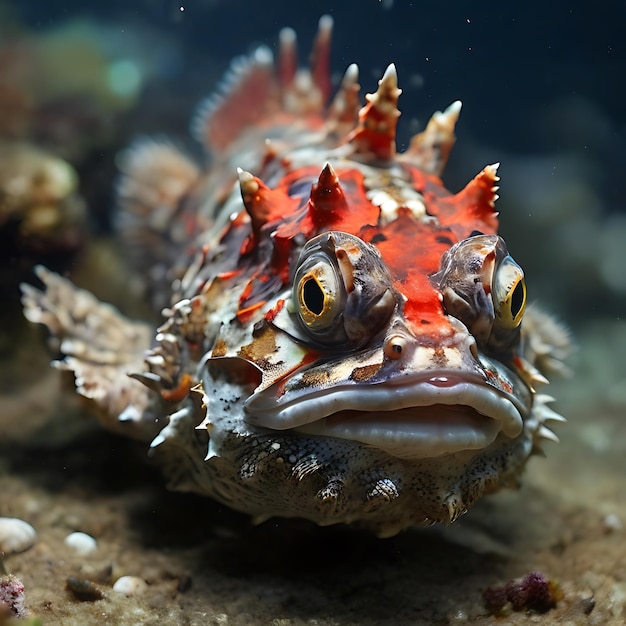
[(240, 100)]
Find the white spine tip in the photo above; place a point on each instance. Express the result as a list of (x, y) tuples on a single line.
[(263, 56), (326, 23), (547, 434), (157, 441), (453, 110), (390, 76), (493, 171), (287, 36), (544, 398), (549, 415), (352, 73), (129, 414), (244, 176)]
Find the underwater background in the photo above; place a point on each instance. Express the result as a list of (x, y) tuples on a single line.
[(543, 92)]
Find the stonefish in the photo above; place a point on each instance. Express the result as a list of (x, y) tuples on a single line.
[(344, 339)]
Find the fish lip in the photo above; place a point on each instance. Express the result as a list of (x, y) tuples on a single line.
[(414, 433), (488, 410)]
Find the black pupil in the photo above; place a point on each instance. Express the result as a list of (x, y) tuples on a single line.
[(313, 296), (517, 299)]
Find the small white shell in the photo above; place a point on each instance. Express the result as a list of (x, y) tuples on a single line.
[(612, 523), (130, 585), (16, 535), (81, 543)]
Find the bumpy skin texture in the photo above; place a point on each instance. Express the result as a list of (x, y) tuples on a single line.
[(345, 338)]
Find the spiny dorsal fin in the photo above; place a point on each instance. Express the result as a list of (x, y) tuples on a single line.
[(320, 57), (240, 100), (376, 133), (155, 177), (430, 149), (250, 90), (319, 62), (305, 91), (287, 57)]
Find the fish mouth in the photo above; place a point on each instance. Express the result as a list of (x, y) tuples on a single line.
[(413, 433), (420, 418)]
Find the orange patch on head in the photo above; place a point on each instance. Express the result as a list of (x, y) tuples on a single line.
[(179, 392)]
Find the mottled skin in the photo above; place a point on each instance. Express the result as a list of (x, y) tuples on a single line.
[(344, 341)]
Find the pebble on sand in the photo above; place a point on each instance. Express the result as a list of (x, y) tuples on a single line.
[(16, 535), (130, 585), (81, 543)]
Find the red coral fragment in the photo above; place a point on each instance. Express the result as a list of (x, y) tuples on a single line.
[(12, 595), (533, 592)]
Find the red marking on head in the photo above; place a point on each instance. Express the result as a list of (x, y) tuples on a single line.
[(499, 382), (469, 210), (310, 356), (245, 293), (331, 206), (423, 309), (408, 244), (263, 205), (270, 316), (412, 250), (228, 275)]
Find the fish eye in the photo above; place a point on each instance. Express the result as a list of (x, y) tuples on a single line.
[(483, 287), (341, 292), (318, 295), (509, 294), (312, 296)]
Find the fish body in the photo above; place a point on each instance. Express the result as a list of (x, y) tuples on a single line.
[(344, 339)]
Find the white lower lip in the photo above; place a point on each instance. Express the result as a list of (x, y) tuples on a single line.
[(412, 433)]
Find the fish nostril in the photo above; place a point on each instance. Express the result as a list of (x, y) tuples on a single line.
[(395, 346)]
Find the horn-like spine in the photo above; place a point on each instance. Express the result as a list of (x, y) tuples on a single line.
[(327, 199), (343, 113), (430, 149), (376, 132)]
